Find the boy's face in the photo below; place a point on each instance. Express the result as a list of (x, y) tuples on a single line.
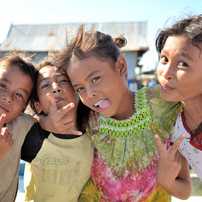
[(52, 81), (15, 89)]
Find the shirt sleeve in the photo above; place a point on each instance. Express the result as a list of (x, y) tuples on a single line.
[(33, 142)]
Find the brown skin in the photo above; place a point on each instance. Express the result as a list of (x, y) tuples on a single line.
[(15, 89), (95, 80), (6, 141), (173, 170), (61, 98), (179, 73)]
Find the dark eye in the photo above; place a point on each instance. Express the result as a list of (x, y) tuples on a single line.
[(2, 85), (64, 81), (95, 79), (164, 59), (19, 95), (79, 90), (182, 64), (44, 86)]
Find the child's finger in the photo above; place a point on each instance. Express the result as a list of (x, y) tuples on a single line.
[(64, 110), (159, 145), (174, 147), (53, 105), (5, 132), (67, 128), (74, 132), (2, 120), (10, 136)]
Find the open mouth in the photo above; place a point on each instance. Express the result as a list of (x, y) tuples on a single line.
[(57, 99), (102, 104)]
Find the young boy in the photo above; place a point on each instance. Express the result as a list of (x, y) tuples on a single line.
[(60, 165), (17, 79)]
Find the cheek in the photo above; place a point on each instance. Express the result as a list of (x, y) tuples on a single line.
[(159, 70)]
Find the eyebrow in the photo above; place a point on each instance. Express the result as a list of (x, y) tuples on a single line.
[(43, 79), (25, 91), (87, 77), (6, 80), (186, 56), (181, 53)]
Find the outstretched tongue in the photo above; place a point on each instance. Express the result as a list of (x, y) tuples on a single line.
[(104, 104)]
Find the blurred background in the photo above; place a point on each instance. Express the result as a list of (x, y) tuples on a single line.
[(35, 27)]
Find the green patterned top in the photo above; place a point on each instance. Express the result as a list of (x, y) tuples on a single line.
[(126, 156)]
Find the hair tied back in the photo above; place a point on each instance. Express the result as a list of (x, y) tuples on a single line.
[(120, 41)]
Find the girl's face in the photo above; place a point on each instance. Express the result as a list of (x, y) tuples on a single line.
[(15, 89), (180, 70), (52, 81), (100, 86)]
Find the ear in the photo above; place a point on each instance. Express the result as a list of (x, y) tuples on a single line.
[(37, 107), (121, 65)]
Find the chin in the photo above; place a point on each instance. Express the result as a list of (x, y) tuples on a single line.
[(169, 98)]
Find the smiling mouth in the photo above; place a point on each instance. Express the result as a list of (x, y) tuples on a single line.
[(102, 104)]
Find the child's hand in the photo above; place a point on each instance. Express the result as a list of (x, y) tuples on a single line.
[(6, 141), (170, 162), (58, 121)]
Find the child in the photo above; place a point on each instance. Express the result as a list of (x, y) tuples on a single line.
[(17, 79), (180, 76), (60, 165), (123, 124)]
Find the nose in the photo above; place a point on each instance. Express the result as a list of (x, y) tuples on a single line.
[(167, 71), (7, 98), (56, 88), (91, 93)]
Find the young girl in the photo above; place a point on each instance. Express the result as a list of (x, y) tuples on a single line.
[(122, 125), (180, 76), (60, 165)]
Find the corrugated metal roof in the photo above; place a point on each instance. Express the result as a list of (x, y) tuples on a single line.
[(42, 37)]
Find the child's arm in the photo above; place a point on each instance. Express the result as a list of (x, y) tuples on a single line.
[(6, 141), (173, 170), (58, 121)]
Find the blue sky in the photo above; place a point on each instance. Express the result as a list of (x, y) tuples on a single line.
[(155, 12)]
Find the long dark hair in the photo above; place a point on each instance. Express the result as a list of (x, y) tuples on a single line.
[(191, 28)]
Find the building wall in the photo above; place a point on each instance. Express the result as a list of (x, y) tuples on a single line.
[(130, 56), (131, 59)]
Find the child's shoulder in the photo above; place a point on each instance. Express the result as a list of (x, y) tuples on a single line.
[(156, 100), (154, 92), (24, 120)]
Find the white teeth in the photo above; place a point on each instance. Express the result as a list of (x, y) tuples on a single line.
[(97, 104)]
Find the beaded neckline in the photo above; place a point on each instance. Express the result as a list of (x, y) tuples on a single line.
[(134, 124)]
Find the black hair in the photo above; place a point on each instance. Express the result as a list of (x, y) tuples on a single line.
[(24, 65)]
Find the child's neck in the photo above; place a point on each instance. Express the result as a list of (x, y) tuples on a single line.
[(127, 109), (193, 115)]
